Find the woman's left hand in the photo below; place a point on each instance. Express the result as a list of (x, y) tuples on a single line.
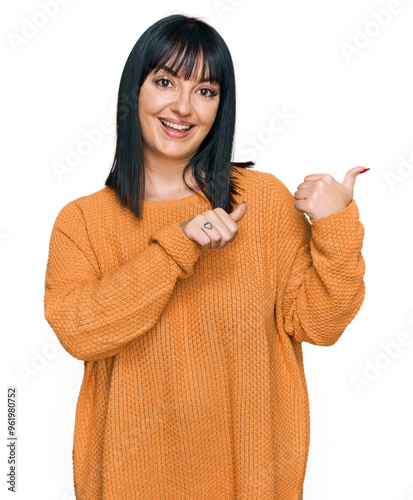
[(321, 195)]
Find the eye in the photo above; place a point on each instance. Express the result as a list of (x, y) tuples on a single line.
[(159, 83), (212, 93), (156, 80)]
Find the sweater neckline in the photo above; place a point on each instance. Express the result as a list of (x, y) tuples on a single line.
[(192, 198)]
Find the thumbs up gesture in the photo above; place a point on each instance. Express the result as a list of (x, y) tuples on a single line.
[(321, 195), (214, 228)]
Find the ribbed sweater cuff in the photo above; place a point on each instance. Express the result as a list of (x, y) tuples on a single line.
[(183, 250), (339, 228)]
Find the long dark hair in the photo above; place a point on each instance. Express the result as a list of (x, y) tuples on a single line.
[(187, 38)]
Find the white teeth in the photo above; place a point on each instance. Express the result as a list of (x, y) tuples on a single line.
[(176, 127)]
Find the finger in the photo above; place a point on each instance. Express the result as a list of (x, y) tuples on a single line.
[(216, 229), (350, 178), (306, 184), (227, 219), (314, 177), (302, 194), (300, 206), (202, 238), (239, 212)]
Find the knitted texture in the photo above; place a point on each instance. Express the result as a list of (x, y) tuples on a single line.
[(194, 385)]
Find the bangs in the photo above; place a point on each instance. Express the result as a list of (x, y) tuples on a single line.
[(182, 57)]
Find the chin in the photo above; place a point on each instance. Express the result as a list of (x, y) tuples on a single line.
[(176, 150), (174, 153)]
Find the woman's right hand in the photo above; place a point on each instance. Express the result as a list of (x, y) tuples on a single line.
[(224, 227)]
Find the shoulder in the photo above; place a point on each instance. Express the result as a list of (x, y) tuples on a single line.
[(267, 186), (105, 198), (92, 207), (256, 177)]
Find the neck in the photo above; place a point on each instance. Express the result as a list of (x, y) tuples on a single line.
[(164, 175)]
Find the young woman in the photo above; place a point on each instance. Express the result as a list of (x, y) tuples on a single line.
[(189, 307)]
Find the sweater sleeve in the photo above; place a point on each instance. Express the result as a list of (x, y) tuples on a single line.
[(95, 316), (323, 271)]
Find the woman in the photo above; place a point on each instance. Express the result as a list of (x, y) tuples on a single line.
[(194, 383)]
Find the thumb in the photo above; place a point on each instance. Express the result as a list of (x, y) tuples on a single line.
[(350, 177), (239, 212)]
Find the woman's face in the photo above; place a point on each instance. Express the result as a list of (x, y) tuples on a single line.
[(174, 100)]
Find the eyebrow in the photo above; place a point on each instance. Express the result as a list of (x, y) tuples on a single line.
[(201, 81)]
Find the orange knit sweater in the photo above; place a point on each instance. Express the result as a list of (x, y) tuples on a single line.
[(194, 385)]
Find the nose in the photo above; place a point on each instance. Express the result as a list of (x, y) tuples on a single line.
[(182, 102)]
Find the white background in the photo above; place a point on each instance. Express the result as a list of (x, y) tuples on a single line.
[(348, 111)]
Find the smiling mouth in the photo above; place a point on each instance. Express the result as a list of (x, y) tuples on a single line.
[(173, 126)]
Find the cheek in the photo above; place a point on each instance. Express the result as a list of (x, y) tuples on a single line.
[(149, 102), (209, 114)]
